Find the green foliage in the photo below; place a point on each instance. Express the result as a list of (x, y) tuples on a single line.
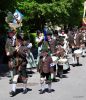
[(33, 39), (76, 12), (38, 12), (7, 5)]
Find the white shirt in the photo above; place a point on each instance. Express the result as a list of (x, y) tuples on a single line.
[(39, 39)]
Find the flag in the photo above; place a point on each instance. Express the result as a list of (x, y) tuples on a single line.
[(45, 33), (17, 16)]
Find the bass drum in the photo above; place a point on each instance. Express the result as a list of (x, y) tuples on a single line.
[(78, 53), (62, 61)]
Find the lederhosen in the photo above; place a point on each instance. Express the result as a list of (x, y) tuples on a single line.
[(52, 45)]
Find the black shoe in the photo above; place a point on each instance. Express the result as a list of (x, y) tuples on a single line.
[(25, 91), (77, 64), (10, 82), (83, 55), (54, 80), (61, 76), (12, 93), (42, 91), (49, 90)]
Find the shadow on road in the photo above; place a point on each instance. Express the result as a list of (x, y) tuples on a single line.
[(46, 90), (74, 65), (21, 90)]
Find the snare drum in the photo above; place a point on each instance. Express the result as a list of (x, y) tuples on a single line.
[(62, 61), (55, 59), (66, 66), (78, 53)]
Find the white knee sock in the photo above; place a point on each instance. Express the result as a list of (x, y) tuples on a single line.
[(24, 86), (83, 52), (42, 86), (11, 74), (14, 87), (49, 86), (73, 59)]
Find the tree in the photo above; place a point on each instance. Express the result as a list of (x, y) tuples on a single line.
[(5, 6), (76, 13), (38, 12)]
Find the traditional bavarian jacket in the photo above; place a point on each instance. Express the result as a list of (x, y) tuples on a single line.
[(60, 51), (52, 45), (71, 39), (44, 65), (78, 39), (10, 46)]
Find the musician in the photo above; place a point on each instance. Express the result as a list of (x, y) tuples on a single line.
[(10, 50), (78, 42), (84, 37), (66, 43), (72, 45), (45, 69), (52, 42), (83, 44), (52, 45), (20, 64), (39, 40), (71, 39), (78, 39), (60, 52)]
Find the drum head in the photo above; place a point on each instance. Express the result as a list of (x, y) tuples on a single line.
[(62, 60), (54, 58), (78, 52)]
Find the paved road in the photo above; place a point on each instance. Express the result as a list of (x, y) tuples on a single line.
[(71, 87)]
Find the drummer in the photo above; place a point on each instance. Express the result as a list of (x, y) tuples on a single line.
[(52, 45), (60, 53), (78, 39), (83, 44), (77, 44)]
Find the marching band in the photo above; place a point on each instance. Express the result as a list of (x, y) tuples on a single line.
[(52, 59), (52, 55)]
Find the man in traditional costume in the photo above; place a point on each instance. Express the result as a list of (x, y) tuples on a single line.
[(45, 69), (52, 46), (10, 50), (20, 65)]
